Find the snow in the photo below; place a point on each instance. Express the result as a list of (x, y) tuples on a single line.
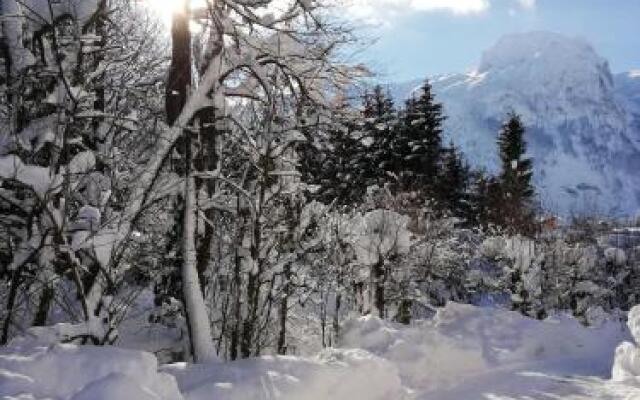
[(465, 346), (493, 247), (382, 232), (38, 12), (82, 163), (115, 386), (29, 16), (616, 256), (626, 366), (71, 372), (464, 352), (103, 244), (37, 133), (135, 332), (38, 178), (335, 374), (88, 219)]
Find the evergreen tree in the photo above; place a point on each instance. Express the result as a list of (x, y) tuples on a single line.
[(375, 160), (481, 187), (314, 155), (330, 159), (453, 182), (418, 146), (516, 189)]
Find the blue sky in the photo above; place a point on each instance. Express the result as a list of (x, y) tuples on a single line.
[(417, 38)]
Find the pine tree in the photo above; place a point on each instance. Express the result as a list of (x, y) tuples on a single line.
[(419, 144), (375, 160), (482, 187), (516, 189), (330, 159), (453, 182)]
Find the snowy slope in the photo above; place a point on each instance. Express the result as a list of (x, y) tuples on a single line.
[(469, 352), (463, 353), (70, 372), (627, 86), (584, 123)]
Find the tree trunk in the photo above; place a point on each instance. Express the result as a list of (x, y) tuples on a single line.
[(44, 305), (284, 309), (13, 293), (179, 80), (237, 286), (206, 161), (336, 317), (197, 319), (377, 277), (177, 91), (248, 325)]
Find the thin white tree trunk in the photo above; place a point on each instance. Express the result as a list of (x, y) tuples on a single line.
[(197, 318)]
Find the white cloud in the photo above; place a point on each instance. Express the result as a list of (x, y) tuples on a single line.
[(381, 11), (456, 7), (385, 11), (528, 4)]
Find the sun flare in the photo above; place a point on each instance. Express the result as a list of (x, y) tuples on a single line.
[(165, 9)]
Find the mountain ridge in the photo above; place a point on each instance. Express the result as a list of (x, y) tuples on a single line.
[(583, 121)]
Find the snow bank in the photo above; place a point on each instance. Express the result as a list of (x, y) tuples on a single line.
[(464, 352), (626, 366), (43, 336), (464, 342), (162, 337), (334, 374), (70, 372)]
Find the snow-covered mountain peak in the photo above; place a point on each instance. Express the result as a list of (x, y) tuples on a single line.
[(547, 52), (583, 123), (551, 73)]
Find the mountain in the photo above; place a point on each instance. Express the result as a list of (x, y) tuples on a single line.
[(583, 122)]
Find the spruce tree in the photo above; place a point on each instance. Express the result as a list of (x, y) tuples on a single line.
[(453, 182), (477, 211), (516, 189), (380, 120), (314, 154), (331, 159), (419, 143)]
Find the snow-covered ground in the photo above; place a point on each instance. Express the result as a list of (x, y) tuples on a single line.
[(467, 352), (464, 352)]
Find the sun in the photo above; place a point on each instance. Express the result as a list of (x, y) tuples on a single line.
[(164, 9)]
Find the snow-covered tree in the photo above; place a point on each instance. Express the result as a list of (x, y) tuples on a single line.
[(57, 156), (418, 144), (375, 161), (516, 188)]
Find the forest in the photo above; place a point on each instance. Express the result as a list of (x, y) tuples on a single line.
[(237, 186)]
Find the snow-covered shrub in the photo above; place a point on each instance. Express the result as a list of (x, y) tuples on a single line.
[(380, 234), (493, 247), (615, 256)]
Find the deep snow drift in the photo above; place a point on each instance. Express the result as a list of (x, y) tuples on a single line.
[(468, 352), (464, 352), (65, 371)]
